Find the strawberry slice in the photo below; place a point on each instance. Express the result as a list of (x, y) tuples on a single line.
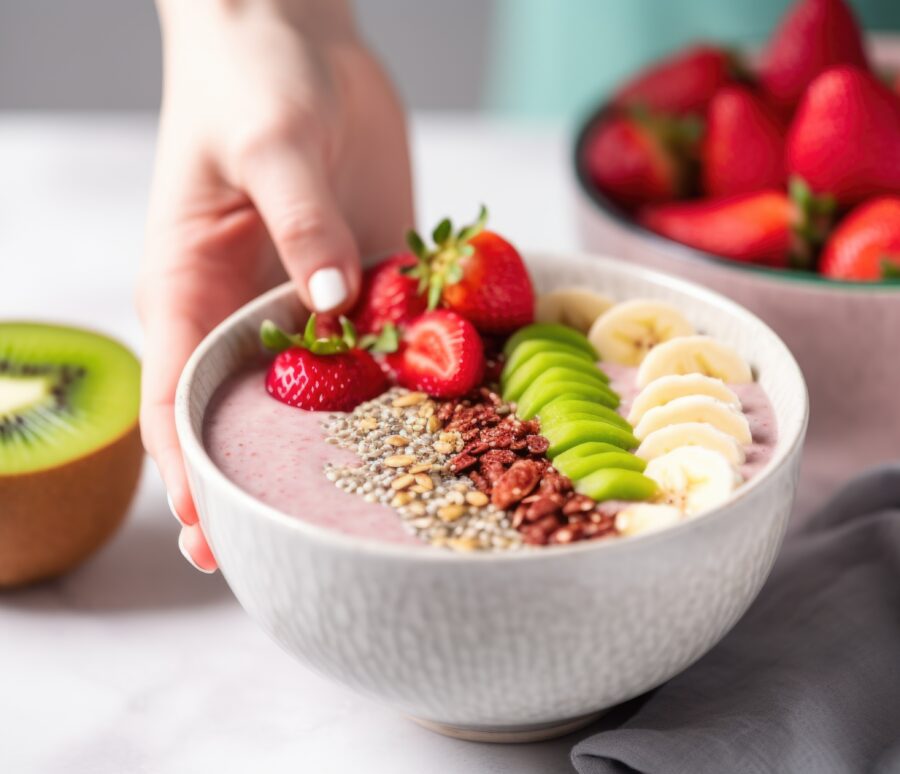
[(866, 244), (441, 353), (683, 83), (320, 374), (813, 36), (476, 273), (388, 295)]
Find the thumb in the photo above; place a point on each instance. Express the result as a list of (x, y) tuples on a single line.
[(290, 188)]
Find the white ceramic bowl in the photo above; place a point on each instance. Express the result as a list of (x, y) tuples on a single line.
[(843, 334), (504, 646)]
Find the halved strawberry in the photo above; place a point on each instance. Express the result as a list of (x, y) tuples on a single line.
[(476, 273), (320, 374), (388, 295), (441, 353), (866, 244), (642, 158)]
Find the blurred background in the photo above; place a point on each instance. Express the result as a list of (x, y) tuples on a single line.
[(536, 58)]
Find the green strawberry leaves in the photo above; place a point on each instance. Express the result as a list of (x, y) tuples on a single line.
[(890, 268), (440, 266), (815, 215), (276, 340)]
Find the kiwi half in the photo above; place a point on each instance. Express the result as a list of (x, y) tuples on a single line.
[(70, 452)]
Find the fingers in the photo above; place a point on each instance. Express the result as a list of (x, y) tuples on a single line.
[(289, 186), (195, 549), (170, 338)]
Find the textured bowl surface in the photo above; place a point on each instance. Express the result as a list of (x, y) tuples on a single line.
[(500, 643), (843, 334)]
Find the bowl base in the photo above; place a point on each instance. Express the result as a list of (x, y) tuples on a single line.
[(538, 732)]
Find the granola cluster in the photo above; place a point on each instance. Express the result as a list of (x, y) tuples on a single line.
[(505, 458)]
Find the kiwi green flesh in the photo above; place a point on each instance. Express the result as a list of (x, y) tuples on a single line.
[(561, 408), (577, 469), (553, 332), (616, 484), (539, 395), (528, 349), (564, 436), (589, 449), (64, 393), (537, 365)]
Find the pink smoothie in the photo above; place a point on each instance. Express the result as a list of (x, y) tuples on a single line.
[(277, 453)]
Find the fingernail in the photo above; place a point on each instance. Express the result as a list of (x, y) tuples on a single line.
[(187, 556), (327, 289), (172, 509)]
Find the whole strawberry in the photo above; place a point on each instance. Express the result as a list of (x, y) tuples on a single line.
[(743, 148), (476, 273), (328, 374), (441, 353), (814, 36), (845, 136), (388, 295), (765, 227), (866, 244), (682, 83), (641, 159)]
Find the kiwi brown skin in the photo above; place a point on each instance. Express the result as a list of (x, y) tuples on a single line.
[(52, 520)]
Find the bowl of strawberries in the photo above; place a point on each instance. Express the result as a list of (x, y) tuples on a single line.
[(772, 176)]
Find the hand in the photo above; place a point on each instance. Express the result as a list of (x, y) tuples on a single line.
[(282, 149)]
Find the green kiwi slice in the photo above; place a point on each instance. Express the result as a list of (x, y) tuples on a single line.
[(616, 484), (558, 382), (538, 364), (561, 408), (585, 450), (527, 349), (553, 332), (577, 469), (64, 393), (564, 436)]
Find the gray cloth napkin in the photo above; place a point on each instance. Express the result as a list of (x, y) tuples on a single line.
[(808, 680)]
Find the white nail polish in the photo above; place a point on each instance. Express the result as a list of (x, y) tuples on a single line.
[(172, 508), (187, 556), (327, 289)]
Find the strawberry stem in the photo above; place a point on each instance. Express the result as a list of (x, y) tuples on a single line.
[(890, 268), (276, 340), (812, 224), (440, 266)]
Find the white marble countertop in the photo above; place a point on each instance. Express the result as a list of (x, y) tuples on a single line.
[(136, 663)]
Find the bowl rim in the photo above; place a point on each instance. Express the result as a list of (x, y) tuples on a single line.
[(195, 454), (609, 209)]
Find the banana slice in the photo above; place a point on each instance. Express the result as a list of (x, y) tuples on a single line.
[(571, 306), (628, 331), (673, 437), (641, 518), (668, 388), (694, 355), (696, 408), (693, 479)]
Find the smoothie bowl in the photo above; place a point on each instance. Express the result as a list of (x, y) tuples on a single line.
[(472, 613)]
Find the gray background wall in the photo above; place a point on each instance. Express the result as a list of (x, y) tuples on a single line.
[(105, 54)]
